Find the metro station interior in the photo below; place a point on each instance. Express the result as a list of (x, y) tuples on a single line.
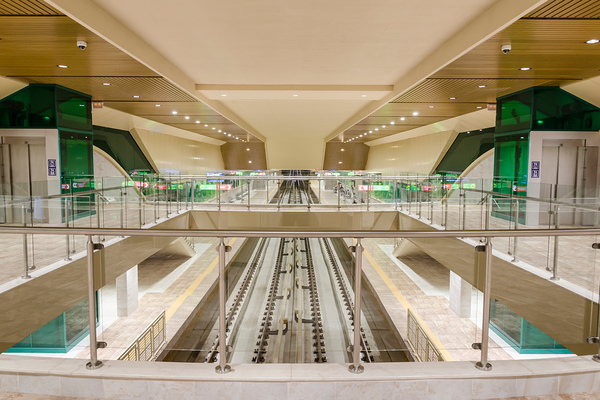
[(339, 199)]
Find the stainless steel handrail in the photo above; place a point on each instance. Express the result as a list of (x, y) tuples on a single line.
[(293, 232)]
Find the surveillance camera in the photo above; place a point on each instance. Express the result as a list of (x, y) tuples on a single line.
[(82, 44), (506, 48)]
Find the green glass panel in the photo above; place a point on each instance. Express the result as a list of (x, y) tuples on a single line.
[(73, 109), (557, 110), (30, 107), (520, 333), (465, 149), (513, 112), (76, 322), (122, 147)]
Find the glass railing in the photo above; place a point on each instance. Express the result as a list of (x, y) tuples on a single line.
[(291, 296)]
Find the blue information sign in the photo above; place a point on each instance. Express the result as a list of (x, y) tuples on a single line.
[(535, 169), (51, 167)]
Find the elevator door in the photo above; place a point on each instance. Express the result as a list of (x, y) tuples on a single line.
[(24, 175)]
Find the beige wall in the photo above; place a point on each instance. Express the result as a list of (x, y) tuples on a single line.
[(239, 155), (416, 155), (353, 157), (173, 154)]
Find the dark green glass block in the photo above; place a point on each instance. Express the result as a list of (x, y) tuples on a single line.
[(557, 110), (466, 148), (76, 322), (73, 109), (122, 147), (30, 107), (513, 112)]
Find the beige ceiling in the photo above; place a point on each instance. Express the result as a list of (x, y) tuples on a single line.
[(343, 59)]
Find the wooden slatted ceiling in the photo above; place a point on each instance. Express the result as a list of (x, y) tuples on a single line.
[(26, 7), (554, 49), (567, 9), (121, 88), (32, 47)]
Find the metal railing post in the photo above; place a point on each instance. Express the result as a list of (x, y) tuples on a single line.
[(320, 182), (219, 191), (368, 193), (155, 203), (94, 362), (25, 249), (194, 192), (485, 325), (338, 193), (356, 366), (248, 193), (121, 209), (177, 197), (222, 367), (419, 199), (395, 195), (555, 258), (140, 209), (515, 239), (68, 258)]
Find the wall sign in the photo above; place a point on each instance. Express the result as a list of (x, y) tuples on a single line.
[(535, 169), (51, 167)]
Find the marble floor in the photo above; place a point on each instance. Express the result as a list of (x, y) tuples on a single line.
[(572, 396)]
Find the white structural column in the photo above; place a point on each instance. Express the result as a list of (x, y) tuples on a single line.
[(460, 296), (127, 292)]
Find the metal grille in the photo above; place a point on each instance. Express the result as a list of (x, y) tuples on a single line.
[(146, 346), (26, 7), (567, 9), (420, 343)]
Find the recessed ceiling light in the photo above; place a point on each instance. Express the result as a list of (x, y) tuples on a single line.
[(481, 86), (364, 95), (479, 106), (392, 123), (370, 131), (376, 129), (452, 98), (157, 105), (416, 113), (224, 133), (365, 133), (359, 135), (295, 95), (237, 138), (229, 134), (224, 95), (248, 149), (339, 162), (402, 118), (431, 106), (106, 84), (383, 126), (62, 66), (174, 112), (187, 117), (343, 150), (249, 162), (197, 122), (135, 96), (205, 124), (525, 68), (592, 41)]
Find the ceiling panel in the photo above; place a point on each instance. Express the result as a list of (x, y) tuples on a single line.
[(554, 49), (32, 47), (577, 9), (26, 7), (121, 88)]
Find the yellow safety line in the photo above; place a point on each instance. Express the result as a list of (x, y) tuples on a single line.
[(194, 285), (269, 195), (323, 198), (407, 306)]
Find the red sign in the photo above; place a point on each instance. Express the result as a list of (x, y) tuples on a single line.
[(427, 188), (66, 186), (364, 188), (447, 186), (224, 187), (161, 187)]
